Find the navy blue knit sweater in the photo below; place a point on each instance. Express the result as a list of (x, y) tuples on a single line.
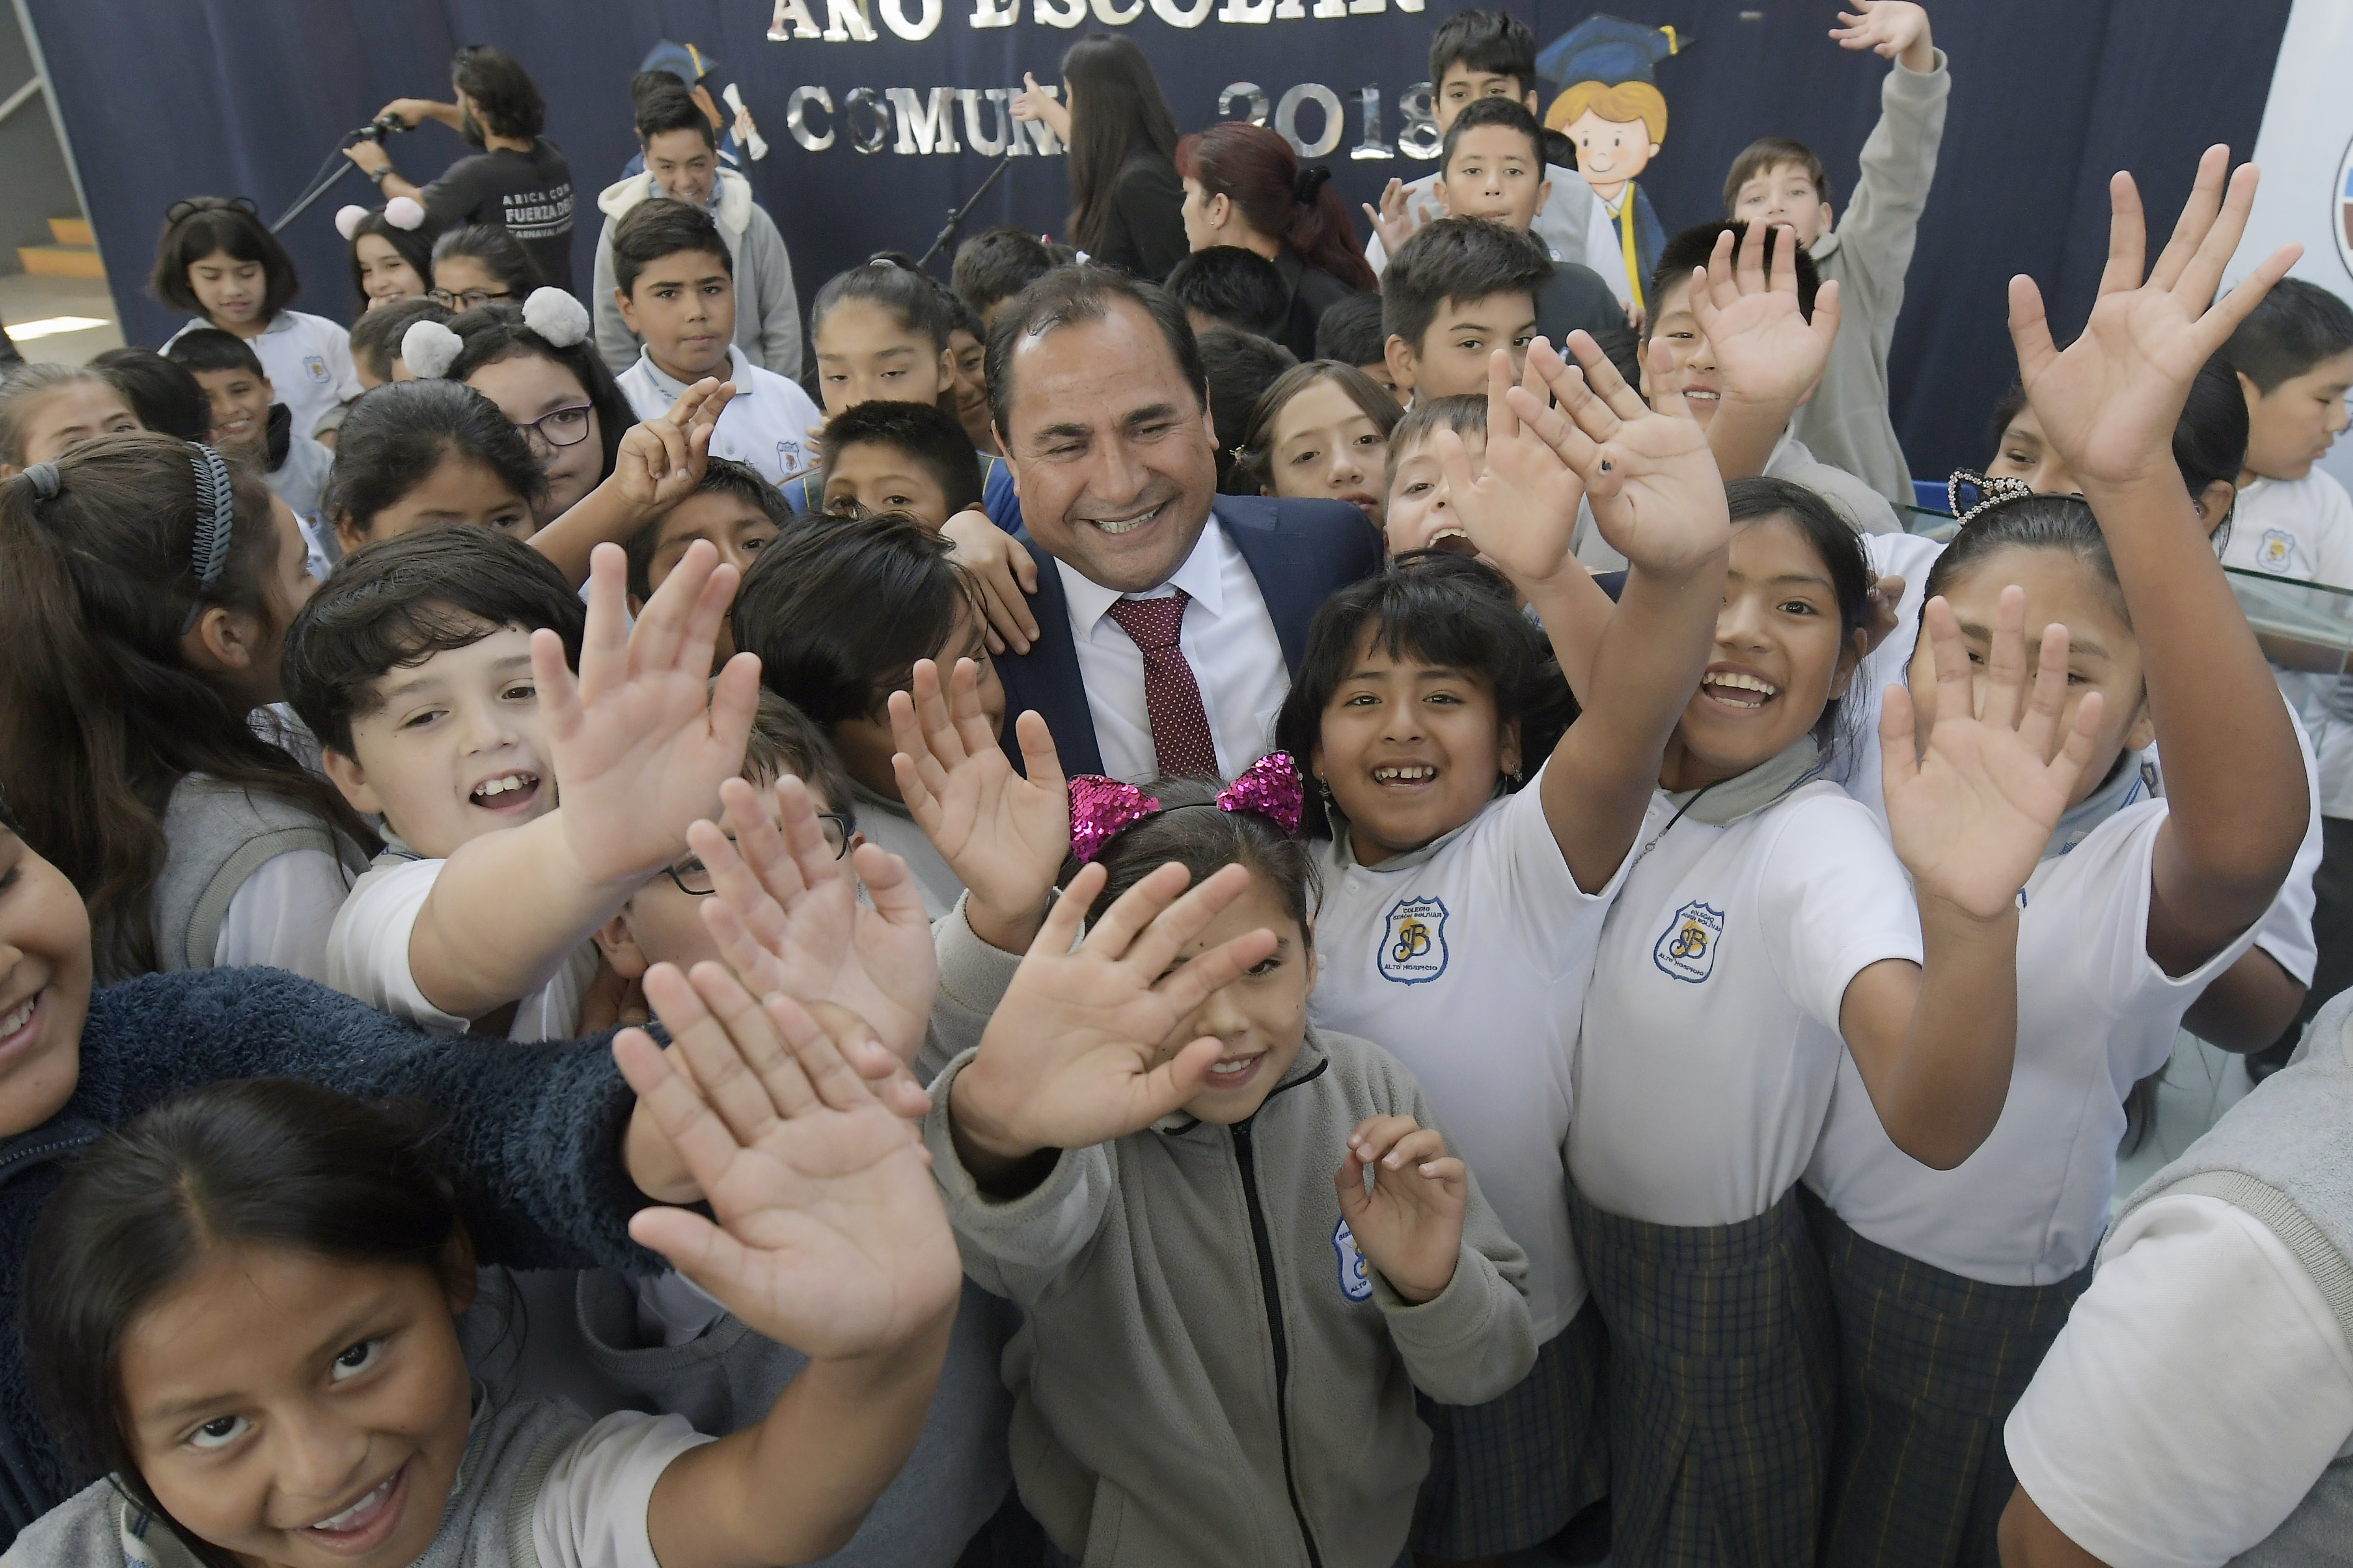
[(534, 1133)]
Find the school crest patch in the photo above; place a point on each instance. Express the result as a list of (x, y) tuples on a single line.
[(788, 458), (1413, 942), (2275, 551), (1355, 1275), (1686, 949), (315, 367)]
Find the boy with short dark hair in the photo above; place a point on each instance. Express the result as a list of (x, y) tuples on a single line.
[(1473, 56), (1239, 367), (674, 282), (247, 420), (732, 509), (995, 264), (1350, 332), (1492, 166), (681, 162), (1743, 390), (1778, 181), (1460, 290), (2294, 356), (1227, 286), (898, 457)]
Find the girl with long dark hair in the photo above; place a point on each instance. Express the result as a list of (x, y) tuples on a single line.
[(1124, 194), (1244, 186)]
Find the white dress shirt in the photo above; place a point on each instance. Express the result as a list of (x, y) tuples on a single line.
[(1227, 637)]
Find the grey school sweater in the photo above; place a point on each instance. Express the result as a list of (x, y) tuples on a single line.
[(767, 309), (2284, 1154), (1209, 1371), (1846, 423)]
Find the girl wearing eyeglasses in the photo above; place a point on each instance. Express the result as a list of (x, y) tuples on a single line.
[(554, 390), (480, 263)]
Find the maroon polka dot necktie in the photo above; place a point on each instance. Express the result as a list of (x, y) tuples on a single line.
[(1180, 726)]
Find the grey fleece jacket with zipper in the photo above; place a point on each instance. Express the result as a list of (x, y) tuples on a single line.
[(767, 310), (1209, 1371), (1846, 423)]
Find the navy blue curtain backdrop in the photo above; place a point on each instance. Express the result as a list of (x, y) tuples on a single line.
[(247, 97)]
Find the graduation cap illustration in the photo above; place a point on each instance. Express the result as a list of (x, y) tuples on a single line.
[(684, 61), (1608, 49)]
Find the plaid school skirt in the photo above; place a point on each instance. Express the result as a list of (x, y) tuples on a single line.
[(1722, 1379), (1930, 1365), (1510, 1474)]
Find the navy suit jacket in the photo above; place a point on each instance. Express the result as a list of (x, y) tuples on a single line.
[(1301, 552)]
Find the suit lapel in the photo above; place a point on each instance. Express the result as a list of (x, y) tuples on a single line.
[(1047, 678), (1288, 581)]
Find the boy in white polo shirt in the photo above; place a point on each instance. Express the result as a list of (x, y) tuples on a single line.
[(2294, 356), (675, 284)]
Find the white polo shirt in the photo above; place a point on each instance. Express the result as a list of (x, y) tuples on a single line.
[(1467, 960), (1711, 1036), (308, 360), (765, 424), (2303, 529), (2095, 1015), (2199, 1390), (367, 957), (1227, 637)]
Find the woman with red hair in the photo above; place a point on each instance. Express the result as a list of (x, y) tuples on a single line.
[(1243, 187)]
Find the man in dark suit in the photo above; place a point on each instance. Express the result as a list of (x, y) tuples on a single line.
[(1169, 616)]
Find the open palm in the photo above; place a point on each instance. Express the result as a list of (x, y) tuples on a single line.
[(830, 1236), (1970, 817), (640, 739), (1072, 1056), (1004, 835), (788, 916), (2109, 401), (1521, 508), (1765, 349)]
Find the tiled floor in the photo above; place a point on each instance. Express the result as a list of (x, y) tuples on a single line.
[(24, 298)]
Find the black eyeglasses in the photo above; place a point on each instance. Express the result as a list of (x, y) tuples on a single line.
[(467, 299), (692, 876), (558, 427)]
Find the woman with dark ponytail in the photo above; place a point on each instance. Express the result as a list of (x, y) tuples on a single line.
[(1244, 186)]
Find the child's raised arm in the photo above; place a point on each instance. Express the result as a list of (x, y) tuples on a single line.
[(1768, 354), (1934, 1042), (830, 1238), (2234, 780), (1656, 496), (639, 742), (660, 462), (1004, 835)]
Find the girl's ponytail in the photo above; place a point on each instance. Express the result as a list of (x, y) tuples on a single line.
[(1255, 169)]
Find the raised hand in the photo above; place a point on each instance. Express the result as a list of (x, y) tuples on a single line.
[(1004, 572), (1648, 472), (2108, 403), (1521, 509), (1394, 220), (1971, 815), (1768, 353), (1035, 103), (1410, 1225), (662, 460), (640, 739), (1003, 835), (788, 916), (1891, 29), (830, 1236), (1084, 1047)]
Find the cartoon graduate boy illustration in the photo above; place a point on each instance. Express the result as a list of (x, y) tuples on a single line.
[(1611, 107)]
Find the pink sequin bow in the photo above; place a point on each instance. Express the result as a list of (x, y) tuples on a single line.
[(1102, 808)]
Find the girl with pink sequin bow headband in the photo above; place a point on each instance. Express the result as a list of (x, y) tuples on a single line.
[(1102, 808)]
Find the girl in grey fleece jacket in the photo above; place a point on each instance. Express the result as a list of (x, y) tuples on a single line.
[(1188, 1227)]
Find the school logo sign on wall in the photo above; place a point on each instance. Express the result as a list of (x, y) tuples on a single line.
[(1355, 1279), (1413, 943), (1686, 949)]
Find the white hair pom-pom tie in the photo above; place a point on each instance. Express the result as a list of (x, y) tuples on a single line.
[(429, 349), (405, 212), (347, 219), (555, 316)]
